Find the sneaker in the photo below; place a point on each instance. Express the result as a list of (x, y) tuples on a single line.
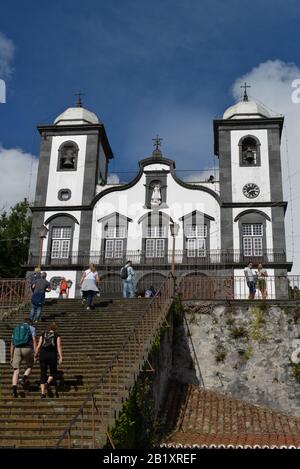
[(88, 308), (43, 396), (24, 380), (83, 302), (14, 391)]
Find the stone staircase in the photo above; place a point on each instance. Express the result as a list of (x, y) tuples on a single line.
[(89, 341)]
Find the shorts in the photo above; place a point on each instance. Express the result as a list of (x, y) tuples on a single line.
[(23, 354)]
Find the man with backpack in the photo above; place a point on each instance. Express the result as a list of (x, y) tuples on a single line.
[(127, 275), (39, 288), (23, 346)]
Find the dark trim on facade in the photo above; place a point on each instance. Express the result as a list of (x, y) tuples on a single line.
[(164, 216), (114, 214), (245, 124), (78, 129), (64, 220), (59, 195), (252, 217), (196, 212), (246, 212), (258, 159), (155, 160), (254, 204), (61, 208), (57, 215), (161, 178), (59, 156)]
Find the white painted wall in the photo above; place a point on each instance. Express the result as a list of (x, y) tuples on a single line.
[(242, 175), (72, 180), (130, 203), (69, 275)]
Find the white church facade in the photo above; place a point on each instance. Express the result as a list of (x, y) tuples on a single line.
[(220, 225)]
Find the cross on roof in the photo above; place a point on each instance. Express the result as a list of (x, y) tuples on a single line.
[(79, 102), (157, 142), (245, 86)]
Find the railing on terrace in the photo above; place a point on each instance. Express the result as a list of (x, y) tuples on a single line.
[(183, 257), (13, 291), (99, 409), (235, 287)]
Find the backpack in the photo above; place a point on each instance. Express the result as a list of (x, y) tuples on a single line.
[(21, 335), (49, 341), (124, 273)]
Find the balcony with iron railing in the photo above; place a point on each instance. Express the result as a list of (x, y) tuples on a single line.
[(235, 258)]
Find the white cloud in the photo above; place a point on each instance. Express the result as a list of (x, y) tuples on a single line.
[(6, 56), (113, 179), (271, 84), (18, 171)]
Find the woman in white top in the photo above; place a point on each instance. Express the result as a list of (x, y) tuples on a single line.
[(89, 285)]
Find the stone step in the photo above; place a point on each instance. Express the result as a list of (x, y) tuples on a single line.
[(90, 339)]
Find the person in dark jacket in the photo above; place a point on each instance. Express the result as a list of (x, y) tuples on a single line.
[(48, 349), (39, 288)]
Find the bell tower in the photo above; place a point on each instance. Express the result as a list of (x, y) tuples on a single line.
[(74, 157), (247, 141)]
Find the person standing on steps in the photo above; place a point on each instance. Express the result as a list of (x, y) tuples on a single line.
[(262, 275), (22, 348), (40, 287), (248, 272), (49, 347), (89, 284), (127, 275)]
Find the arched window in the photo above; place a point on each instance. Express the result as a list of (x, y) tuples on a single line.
[(249, 151), (67, 157)]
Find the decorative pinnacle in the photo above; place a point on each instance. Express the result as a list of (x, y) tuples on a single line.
[(79, 102), (245, 86), (157, 143)]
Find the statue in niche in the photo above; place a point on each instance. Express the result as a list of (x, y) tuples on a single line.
[(156, 196)]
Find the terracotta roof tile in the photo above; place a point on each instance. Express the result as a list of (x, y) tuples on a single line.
[(205, 417)]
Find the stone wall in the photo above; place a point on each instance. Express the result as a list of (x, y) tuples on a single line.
[(243, 350)]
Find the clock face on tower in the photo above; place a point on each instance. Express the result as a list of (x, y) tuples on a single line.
[(251, 190)]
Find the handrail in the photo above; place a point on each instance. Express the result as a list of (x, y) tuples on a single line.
[(168, 288)]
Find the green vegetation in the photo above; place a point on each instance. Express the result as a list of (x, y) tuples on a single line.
[(15, 228), (135, 428), (249, 352), (238, 332), (230, 321), (296, 371), (220, 354), (177, 311), (157, 341), (257, 325)]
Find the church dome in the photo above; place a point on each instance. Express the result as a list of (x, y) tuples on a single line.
[(245, 110), (75, 116)]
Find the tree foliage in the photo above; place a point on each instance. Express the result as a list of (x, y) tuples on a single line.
[(15, 229)]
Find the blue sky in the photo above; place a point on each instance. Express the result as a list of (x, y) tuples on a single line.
[(145, 67), (168, 67)]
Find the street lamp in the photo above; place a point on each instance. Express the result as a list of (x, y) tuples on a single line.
[(42, 234), (174, 228)]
